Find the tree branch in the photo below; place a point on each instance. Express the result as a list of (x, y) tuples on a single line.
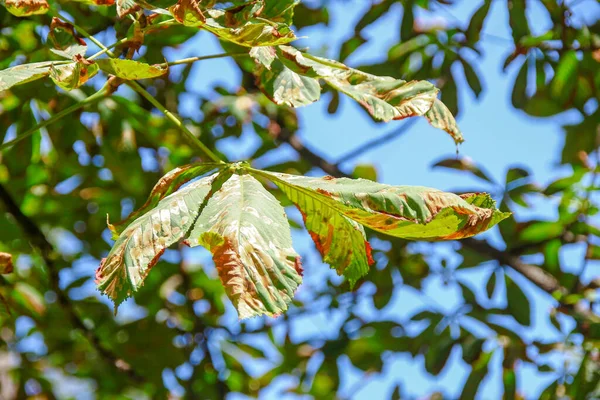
[(376, 142), (39, 242)]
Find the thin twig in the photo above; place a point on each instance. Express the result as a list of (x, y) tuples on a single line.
[(191, 60), (176, 121), (94, 98), (377, 142), (39, 242)]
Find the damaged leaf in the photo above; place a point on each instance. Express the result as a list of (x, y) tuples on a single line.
[(65, 41), (73, 75), (142, 243), (24, 8), (409, 212), (6, 264), (21, 74), (165, 186), (292, 78), (246, 230), (255, 23)]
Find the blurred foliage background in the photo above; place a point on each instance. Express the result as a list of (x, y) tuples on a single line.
[(180, 337)]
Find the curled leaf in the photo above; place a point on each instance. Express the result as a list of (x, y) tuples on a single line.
[(255, 23), (6, 264), (73, 75)]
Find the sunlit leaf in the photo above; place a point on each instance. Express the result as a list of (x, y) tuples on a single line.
[(65, 41), (142, 243), (246, 230), (24, 8), (24, 73), (73, 75), (130, 69), (255, 23), (293, 80), (167, 185), (410, 212)]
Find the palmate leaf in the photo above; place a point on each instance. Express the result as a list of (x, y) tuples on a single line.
[(246, 230), (291, 77), (255, 23)]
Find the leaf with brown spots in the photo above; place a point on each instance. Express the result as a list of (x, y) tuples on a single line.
[(165, 186), (409, 212), (255, 23), (24, 73), (24, 8), (141, 244), (340, 240), (73, 75), (6, 264), (291, 77), (246, 230)]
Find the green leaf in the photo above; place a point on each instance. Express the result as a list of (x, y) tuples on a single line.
[(479, 371), (24, 73), (564, 81), (24, 8), (256, 23), (246, 230), (438, 353), (490, 287), (293, 80), (517, 13), (73, 75), (6, 264), (407, 29), (142, 243), (475, 27), (410, 212), (518, 303), (519, 92), (166, 186), (130, 69), (472, 77)]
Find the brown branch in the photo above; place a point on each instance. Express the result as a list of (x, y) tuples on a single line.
[(39, 242)]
